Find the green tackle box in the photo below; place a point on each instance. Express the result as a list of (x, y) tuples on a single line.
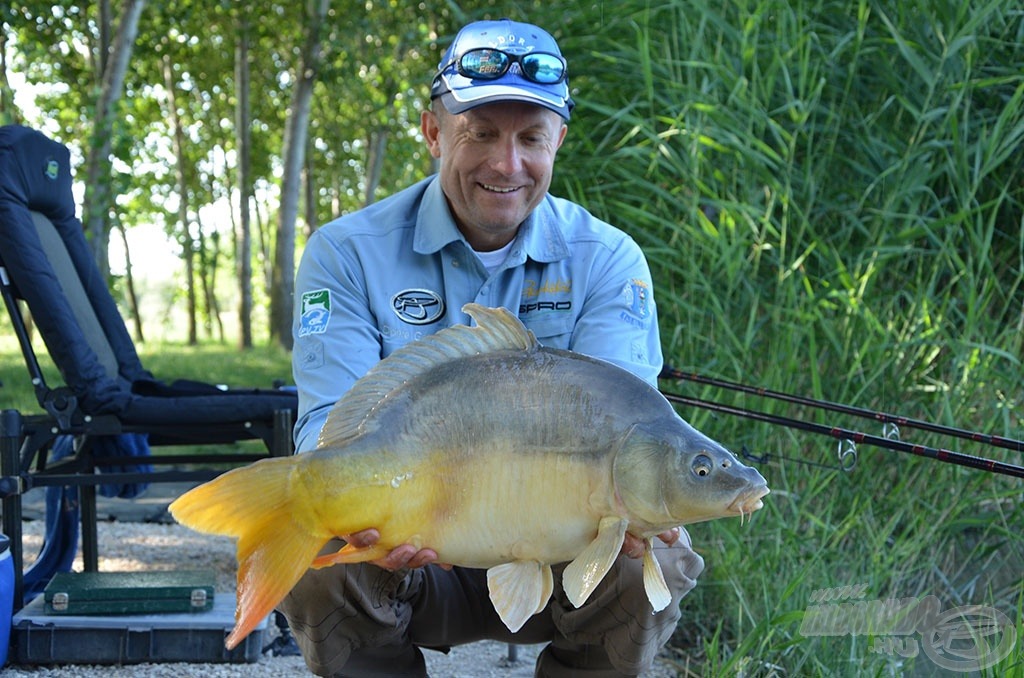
[(195, 637), (116, 593)]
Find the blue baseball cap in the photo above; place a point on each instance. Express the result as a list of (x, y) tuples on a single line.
[(460, 92)]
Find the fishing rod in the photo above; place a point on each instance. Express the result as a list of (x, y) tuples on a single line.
[(897, 420), (938, 454), (842, 434)]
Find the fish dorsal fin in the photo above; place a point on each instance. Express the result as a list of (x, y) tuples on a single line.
[(497, 329)]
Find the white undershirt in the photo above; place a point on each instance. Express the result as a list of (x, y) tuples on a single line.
[(492, 260)]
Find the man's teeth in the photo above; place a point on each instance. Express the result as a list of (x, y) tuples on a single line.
[(499, 189)]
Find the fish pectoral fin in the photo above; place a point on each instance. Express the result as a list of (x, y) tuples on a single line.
[(586, 571), (519, 590), (654, 580), (350, 554)]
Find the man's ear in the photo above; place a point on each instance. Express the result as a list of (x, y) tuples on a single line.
[(430, 125), (561, 135)]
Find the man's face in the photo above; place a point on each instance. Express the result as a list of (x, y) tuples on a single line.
[(496, 164)]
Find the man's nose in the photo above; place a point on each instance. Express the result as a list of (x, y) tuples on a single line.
[(507, 157)]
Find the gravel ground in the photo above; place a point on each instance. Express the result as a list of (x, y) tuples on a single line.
[(126, 546)]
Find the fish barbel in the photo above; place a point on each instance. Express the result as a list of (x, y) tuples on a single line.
[(493, 451)]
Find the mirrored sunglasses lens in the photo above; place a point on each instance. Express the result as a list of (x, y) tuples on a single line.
[(546, 69), (485, 63)]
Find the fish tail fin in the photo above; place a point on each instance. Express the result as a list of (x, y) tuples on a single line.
[(277, 539), (268, 568)]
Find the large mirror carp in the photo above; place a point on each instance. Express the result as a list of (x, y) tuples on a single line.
[(492, 450)]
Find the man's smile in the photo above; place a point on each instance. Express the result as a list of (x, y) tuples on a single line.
[(500, 189)]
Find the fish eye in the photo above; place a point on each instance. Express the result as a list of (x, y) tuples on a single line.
[(701, 466)]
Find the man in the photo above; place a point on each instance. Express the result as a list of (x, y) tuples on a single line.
[(484, 229)]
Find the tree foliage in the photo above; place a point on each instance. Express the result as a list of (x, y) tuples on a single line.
[(878, 128), (830, 193)]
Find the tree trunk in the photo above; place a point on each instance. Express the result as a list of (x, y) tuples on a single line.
[(98, 198), (374, 163), (243, 132), (208, 251), (129, 279), (9, 113), (310, 197), (188, 248), (283, 289), (264, 247)]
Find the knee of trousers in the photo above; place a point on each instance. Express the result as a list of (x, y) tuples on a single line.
[(341, 609), (680, 564), (619, 616)]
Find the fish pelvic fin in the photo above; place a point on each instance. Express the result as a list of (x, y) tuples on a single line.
[(519, 590), (276, 542), (586, 571), (654, 580), (497, 330)]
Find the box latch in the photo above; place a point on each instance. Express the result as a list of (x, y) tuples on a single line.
[(198, 598), (59, 602)]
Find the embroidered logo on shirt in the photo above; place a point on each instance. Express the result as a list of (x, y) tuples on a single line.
[(315, 312), (52, 169), (418, 306), (637, 296)]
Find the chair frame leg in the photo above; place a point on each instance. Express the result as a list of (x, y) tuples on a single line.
[(11, 429)]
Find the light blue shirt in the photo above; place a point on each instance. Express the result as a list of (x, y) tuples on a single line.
[(372, 281)]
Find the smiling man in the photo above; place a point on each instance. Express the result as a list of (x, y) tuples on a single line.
[(496, 164), (485, 230)]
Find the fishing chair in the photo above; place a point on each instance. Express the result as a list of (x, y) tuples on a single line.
[(96, 427)]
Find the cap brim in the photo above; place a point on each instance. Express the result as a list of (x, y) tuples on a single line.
[(461, 99), (455, 106)]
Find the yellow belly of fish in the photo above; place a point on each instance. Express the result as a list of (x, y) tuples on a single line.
[(479, 510)]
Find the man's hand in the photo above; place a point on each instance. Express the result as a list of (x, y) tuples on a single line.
[(404, 555), (633, 547), (407, 555)]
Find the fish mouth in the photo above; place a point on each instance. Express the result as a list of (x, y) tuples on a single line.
[(749, 501)]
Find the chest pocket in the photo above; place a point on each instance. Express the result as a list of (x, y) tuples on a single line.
[(551, 331)]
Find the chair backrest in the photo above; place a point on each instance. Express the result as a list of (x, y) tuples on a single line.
[(72, 288), (49, 265)]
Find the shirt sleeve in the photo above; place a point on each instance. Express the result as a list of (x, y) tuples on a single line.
[(619, 322), (336, 338)]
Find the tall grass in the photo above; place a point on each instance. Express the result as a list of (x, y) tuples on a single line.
[(831, 196)]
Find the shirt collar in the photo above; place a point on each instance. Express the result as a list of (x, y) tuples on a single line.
[(540, 235)]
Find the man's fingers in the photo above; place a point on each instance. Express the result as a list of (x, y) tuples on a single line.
[(670, 536), (406, 556), (632, 546), (422, 557), (363, 538), (397, 559)]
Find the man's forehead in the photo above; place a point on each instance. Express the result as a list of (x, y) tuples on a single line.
[(507, 111)]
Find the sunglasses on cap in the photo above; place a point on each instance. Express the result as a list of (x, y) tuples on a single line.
[(488, 63)]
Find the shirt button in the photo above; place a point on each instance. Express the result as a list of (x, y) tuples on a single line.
[(455, 263)]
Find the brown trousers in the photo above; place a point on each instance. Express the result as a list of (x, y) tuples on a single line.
[(361, 620)]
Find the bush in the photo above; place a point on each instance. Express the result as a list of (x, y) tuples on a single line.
[(831, 196)]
